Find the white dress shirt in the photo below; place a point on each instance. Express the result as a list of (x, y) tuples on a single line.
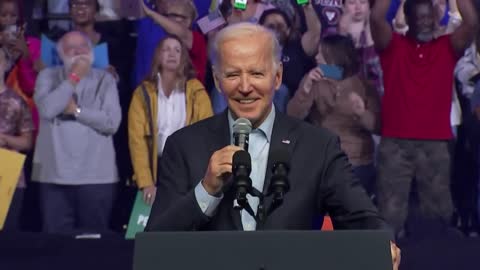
[(171, 115)]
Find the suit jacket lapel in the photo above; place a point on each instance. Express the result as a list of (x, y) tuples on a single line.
[(220, 138), (220, 132)]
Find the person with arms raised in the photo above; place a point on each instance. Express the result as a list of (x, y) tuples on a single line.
[(418, 78), (171, 17)]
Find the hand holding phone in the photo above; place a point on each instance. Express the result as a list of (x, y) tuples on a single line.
[(332, 72), (314, 75)]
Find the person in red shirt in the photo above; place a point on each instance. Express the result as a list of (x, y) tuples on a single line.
[(418, 77)]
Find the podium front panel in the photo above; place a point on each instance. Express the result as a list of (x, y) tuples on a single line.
[(267, 250)]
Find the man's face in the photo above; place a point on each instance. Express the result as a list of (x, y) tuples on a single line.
[(83, 11), (358, 8), (75, 46), (278, 25), (423, 22), (247, 77)]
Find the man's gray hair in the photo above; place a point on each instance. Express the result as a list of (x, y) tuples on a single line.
[(240, 30), (60, 51)]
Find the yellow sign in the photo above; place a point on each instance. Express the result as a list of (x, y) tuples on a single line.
[(11, 165)]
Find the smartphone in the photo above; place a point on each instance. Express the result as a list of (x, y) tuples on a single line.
[(302, 2), (332, 72), (240, 4)]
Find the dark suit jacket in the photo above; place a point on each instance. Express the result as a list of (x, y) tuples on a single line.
[(320, 177)]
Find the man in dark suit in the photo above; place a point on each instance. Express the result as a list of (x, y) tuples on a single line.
[(194, 188)]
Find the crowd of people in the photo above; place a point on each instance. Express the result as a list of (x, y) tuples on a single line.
[(396, 80)]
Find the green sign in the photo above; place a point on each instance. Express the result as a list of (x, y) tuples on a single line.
[(240, 4), (139, 217), (302, 2)]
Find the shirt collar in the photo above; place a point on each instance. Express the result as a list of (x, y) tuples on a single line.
[(265, 128)]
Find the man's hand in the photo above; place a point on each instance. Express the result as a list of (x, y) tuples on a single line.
[(71, 107), (314, 75), (80, 67), (149, 194), (219, 167), (396, 255)]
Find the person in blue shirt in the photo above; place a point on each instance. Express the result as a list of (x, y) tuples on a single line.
[(149, 33)]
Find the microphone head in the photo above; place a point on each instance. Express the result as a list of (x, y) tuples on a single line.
[(242, 126), (242, 158), (280, 156)]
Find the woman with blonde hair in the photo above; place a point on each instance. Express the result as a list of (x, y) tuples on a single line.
[(168, 99)]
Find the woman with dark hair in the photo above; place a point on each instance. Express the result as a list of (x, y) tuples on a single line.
[(168, 99), (349, 107), (296, 51)]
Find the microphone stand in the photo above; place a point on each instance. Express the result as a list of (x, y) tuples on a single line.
[(279, 186), (243, 204)]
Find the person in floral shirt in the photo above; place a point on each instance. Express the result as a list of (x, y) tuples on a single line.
[(16, 129)]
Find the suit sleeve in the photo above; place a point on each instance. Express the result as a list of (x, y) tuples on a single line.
[(175, 207), (343, 196)]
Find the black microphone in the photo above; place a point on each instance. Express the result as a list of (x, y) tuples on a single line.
[(241, 168), (279, 184), (241, 130)]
